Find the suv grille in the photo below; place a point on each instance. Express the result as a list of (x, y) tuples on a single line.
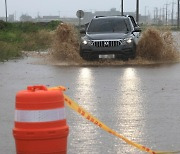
[(106, 43)]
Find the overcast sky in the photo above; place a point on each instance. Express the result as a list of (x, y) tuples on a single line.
[(68, 8)]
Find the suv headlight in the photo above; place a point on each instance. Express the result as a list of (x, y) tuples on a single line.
[(128, 40), (85, 42)]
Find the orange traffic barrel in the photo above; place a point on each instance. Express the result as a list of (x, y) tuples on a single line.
[(40, 123)]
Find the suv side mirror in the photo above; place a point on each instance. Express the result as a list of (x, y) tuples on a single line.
[(137, 29)]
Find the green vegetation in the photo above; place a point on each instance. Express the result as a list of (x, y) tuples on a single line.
[(160, 26), (24, 36)]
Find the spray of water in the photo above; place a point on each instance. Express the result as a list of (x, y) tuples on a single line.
[(157, 45), (65, 46)]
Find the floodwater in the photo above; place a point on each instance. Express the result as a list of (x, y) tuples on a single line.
[(140, 102)]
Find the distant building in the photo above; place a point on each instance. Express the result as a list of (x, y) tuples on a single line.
[(50, 18), (25, 18), (11, 18), (74, 21), (112, 12), (3, 18), (89, 15)]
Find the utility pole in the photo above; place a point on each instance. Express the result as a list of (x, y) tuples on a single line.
[(15, 16), (157, 16), (149, 15), (59, 14), (172, 14), (137, 11), (145, 13), (166, 14), (154, 15), (6, 9), (38, 17), (163, 15), (122, 8), (178, 13), (160, 14)]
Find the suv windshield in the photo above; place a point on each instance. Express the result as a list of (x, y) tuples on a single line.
[(105, 25)]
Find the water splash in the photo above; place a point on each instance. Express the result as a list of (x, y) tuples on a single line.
[(66, 44), (157, 45)]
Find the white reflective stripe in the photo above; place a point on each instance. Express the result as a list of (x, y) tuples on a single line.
[(39, 115)]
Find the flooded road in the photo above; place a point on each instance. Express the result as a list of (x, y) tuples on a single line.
[(140, 102)]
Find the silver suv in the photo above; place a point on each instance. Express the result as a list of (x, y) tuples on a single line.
[(110, 37)]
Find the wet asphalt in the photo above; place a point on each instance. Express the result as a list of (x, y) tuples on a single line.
[(140, 102)]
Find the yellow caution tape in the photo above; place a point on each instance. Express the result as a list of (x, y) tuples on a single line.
[(73, 105), (97, 122), (168, 152)]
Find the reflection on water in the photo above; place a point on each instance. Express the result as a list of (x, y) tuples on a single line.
[(130, 109), (131, 89), (85, 81), (85, 132), (85, 73)]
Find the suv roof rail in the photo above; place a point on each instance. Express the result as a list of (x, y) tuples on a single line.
[(129, 15), (112, 16), (98, 16)]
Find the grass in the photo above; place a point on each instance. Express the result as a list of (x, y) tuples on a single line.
[(8, 51), (24, 36), (170, 27)]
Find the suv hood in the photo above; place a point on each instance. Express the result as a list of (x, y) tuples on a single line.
[(106, 36)]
